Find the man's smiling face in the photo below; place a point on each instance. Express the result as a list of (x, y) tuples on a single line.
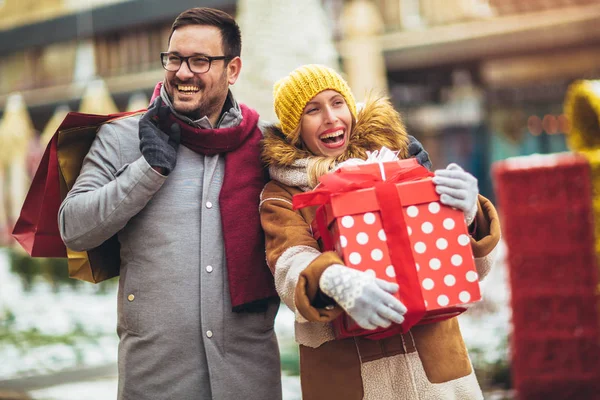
[(198, 95)]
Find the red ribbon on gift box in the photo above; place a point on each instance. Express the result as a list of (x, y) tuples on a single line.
[(383, 178)]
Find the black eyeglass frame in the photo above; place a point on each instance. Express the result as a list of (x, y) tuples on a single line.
[(186, 59)]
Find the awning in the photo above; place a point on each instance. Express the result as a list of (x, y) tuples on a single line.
[(16, 129), (57, 118), (97, 99)]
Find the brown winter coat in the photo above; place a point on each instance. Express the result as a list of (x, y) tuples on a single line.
[(357, 368)]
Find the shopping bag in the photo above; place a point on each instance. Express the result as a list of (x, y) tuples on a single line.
[(36, 230), (37, 227)]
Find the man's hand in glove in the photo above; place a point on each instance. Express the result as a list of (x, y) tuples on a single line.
[(159, 148), (416, 150), (457, 188), (367, 300)]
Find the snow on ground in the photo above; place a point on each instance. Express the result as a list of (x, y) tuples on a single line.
[(484, 327), (100, 389), (103, 389), (56, 314), (60, 313)]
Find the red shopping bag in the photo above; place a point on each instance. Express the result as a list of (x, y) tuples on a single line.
[(37, 227)]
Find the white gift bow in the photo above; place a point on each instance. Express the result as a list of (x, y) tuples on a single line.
[(377, 156), (380, 156)]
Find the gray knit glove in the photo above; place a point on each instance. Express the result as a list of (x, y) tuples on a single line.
[(159, 148), (457, 188), (366, 299), (415, 149)]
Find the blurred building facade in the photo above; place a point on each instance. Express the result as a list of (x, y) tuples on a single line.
[(476, 80), (53, 55), (102, 56), (94, 56)]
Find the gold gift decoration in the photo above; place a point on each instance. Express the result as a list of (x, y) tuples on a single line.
[(582, 108)]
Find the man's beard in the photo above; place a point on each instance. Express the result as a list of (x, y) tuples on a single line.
[(208, 104)]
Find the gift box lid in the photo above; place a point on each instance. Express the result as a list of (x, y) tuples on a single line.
[(365, 200)]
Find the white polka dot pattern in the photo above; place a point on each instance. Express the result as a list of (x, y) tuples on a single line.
[(369, 218), (434, 207), (428, 284), (355, 258), (449, 224), (464, 296), (441, 233), (420, 247), (472, 276), (377, 255), (456, 260), (347, 222), (343, 241), (443, 300), (390, 272), (412, 211), (441, 249), (427, 227), (362, 238)]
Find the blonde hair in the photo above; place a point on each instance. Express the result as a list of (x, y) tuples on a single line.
[(317, 167)]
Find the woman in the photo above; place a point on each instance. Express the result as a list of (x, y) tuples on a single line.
[(320, 128)]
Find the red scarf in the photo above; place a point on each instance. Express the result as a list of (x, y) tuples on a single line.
[(250, 280)]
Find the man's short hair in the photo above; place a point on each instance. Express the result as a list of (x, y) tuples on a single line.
[(230, 31)]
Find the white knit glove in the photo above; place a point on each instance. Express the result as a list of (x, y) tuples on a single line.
[(366, 299), (457, 188)]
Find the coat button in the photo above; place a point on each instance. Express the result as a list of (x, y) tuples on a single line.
[(209, 334), (130, 297), (208, 204), (209, 268)]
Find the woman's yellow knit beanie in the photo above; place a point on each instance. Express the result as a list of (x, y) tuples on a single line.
[(292, 93)]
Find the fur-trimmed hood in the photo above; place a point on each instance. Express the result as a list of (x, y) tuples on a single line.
[(378, 124)]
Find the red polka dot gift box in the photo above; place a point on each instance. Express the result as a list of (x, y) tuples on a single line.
[(425, 247)]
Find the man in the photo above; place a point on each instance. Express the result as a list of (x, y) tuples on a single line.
[(196, 302)]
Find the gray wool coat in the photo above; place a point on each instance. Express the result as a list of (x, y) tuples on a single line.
[(179, 338)]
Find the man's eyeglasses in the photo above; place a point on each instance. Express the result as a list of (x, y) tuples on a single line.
[(197, 64)]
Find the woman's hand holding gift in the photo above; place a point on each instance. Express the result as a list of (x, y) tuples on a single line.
[(368, 300), (457, 188)]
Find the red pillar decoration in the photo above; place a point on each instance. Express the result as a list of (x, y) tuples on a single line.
[(547, 222)]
